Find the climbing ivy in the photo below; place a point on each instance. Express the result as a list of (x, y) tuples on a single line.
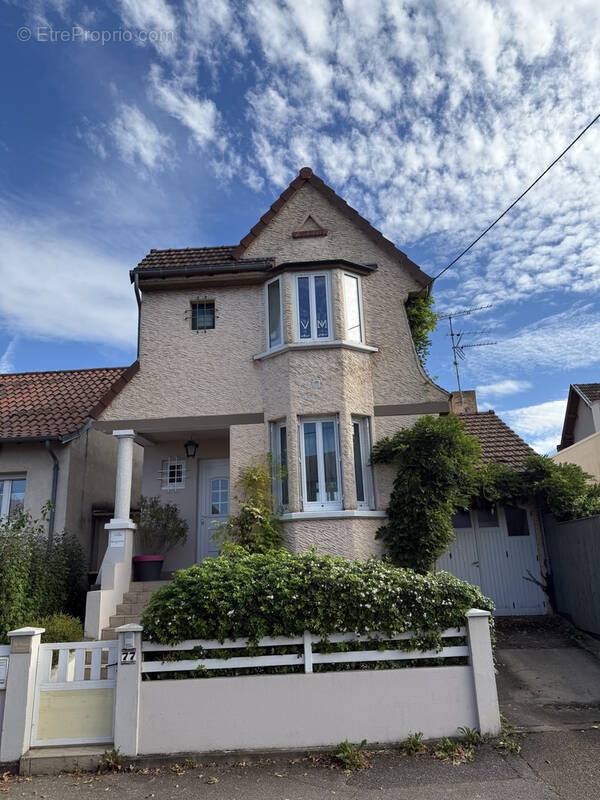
[(422, 321)]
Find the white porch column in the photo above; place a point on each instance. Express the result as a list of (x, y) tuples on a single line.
[(124, 474), (115, 572), (482, 663)]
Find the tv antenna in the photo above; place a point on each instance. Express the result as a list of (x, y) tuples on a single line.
[(458, 347)]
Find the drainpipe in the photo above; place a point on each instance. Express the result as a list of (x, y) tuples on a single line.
[(55, 468), (138, 297)]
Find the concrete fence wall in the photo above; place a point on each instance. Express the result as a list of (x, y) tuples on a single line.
[(574, 555), (54, 694)]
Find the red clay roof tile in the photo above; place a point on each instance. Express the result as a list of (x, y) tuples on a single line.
[(498, 442)]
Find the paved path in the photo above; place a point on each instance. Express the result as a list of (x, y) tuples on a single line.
[(552, 766)]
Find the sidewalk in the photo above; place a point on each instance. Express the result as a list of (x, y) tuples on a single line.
[(551, 765)]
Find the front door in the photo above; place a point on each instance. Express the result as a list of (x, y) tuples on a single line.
[(213, 497)]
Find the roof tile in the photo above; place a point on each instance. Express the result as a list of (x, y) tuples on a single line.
[(499, 443)]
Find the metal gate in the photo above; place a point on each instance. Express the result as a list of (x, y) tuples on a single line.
[(486, 554), (74, 693)]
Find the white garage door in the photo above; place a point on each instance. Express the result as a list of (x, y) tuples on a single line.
[(495, 550)]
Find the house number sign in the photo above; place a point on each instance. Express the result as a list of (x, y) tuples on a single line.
[(3, 672), (128, 655)]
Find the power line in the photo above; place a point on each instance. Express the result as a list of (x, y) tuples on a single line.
[(514, 203)]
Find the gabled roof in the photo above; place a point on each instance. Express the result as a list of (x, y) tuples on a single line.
[(499, 443), (55, 405), (207, 258), (589, 393)]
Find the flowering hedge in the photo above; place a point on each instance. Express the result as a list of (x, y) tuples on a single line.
[(280, 594)]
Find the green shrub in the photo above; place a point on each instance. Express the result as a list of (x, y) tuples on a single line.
[(60, 628), (279, 594), (37, 579), (436, 465), (160, 526), (422, 322), (257, 526), (352, 756)]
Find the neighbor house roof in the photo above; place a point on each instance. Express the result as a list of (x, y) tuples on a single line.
[(56, 405), (589, 393), (205, 258), (498, 442)]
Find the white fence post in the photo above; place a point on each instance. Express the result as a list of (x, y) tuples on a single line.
[(482, 664), (20, 691), (127, 694), (308, 655)]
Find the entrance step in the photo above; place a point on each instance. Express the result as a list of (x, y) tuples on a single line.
[(133, 606), (52, 760)]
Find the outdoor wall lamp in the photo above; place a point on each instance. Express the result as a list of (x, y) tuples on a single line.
[(190, 448)]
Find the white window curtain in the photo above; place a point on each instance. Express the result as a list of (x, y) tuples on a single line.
[(320, 464), (313, 308), (274, 313), (363, 472)]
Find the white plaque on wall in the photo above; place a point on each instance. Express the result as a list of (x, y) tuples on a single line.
[(117, 538)]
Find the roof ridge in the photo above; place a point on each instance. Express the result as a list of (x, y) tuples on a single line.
[(59, 371)]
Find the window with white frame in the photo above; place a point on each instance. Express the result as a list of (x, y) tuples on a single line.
[(313, 308), (320, 464), (12, 495), (353, 308), (274, 313), (363, 473), (173, 473), (279, 454)]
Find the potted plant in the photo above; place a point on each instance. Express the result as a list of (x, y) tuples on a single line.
[(160, 529)]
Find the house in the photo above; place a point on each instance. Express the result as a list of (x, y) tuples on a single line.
[(295, 342), (500, 549), (50, 452), (580, 441)]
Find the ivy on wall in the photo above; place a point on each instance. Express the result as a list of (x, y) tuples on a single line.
[(438, 472), (422, 321)]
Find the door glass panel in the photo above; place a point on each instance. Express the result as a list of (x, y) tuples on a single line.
[(330, 461), (17, 496), (462, 519), (304, 308), (321, 307), (487, 517), (219, 496), (273, 292), (351, 302), (283, 464), (516, 521), (310, 462), (358, 467)]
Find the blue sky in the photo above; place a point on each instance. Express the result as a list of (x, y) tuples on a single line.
[(181, 129)]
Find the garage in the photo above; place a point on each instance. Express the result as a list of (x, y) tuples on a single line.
[(496, 549)]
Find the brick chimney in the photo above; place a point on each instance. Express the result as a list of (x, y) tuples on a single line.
[(464, 402)]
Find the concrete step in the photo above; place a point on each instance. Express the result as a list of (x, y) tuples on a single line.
[(108, 635), (147, 586), (123, 619), (54, 760), (131, 608)]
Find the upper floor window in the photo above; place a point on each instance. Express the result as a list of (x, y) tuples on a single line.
[(203, 315), (320, 464), (313, 308), (274, 313), (353, 308), (12, 496)]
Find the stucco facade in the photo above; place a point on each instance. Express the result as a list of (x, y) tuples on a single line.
[(226, 383)]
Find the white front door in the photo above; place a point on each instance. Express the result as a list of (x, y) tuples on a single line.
[(213, 498)]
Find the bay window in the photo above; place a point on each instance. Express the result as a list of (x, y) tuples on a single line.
[(363, 473), (320, 464), (274, 313), (353, 308), (12, 496), (313, 308), (279, 456)]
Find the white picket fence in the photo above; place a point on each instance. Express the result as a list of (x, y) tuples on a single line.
[(308, 657)]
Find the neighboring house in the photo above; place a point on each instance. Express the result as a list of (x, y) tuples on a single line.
[(498, 548), (48, 451), (580, 442)]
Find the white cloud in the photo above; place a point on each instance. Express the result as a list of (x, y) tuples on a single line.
[(539, 424), (151, 15), (199, 116), (6, 358), (138, 140), (56, 287), (502, 388)]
